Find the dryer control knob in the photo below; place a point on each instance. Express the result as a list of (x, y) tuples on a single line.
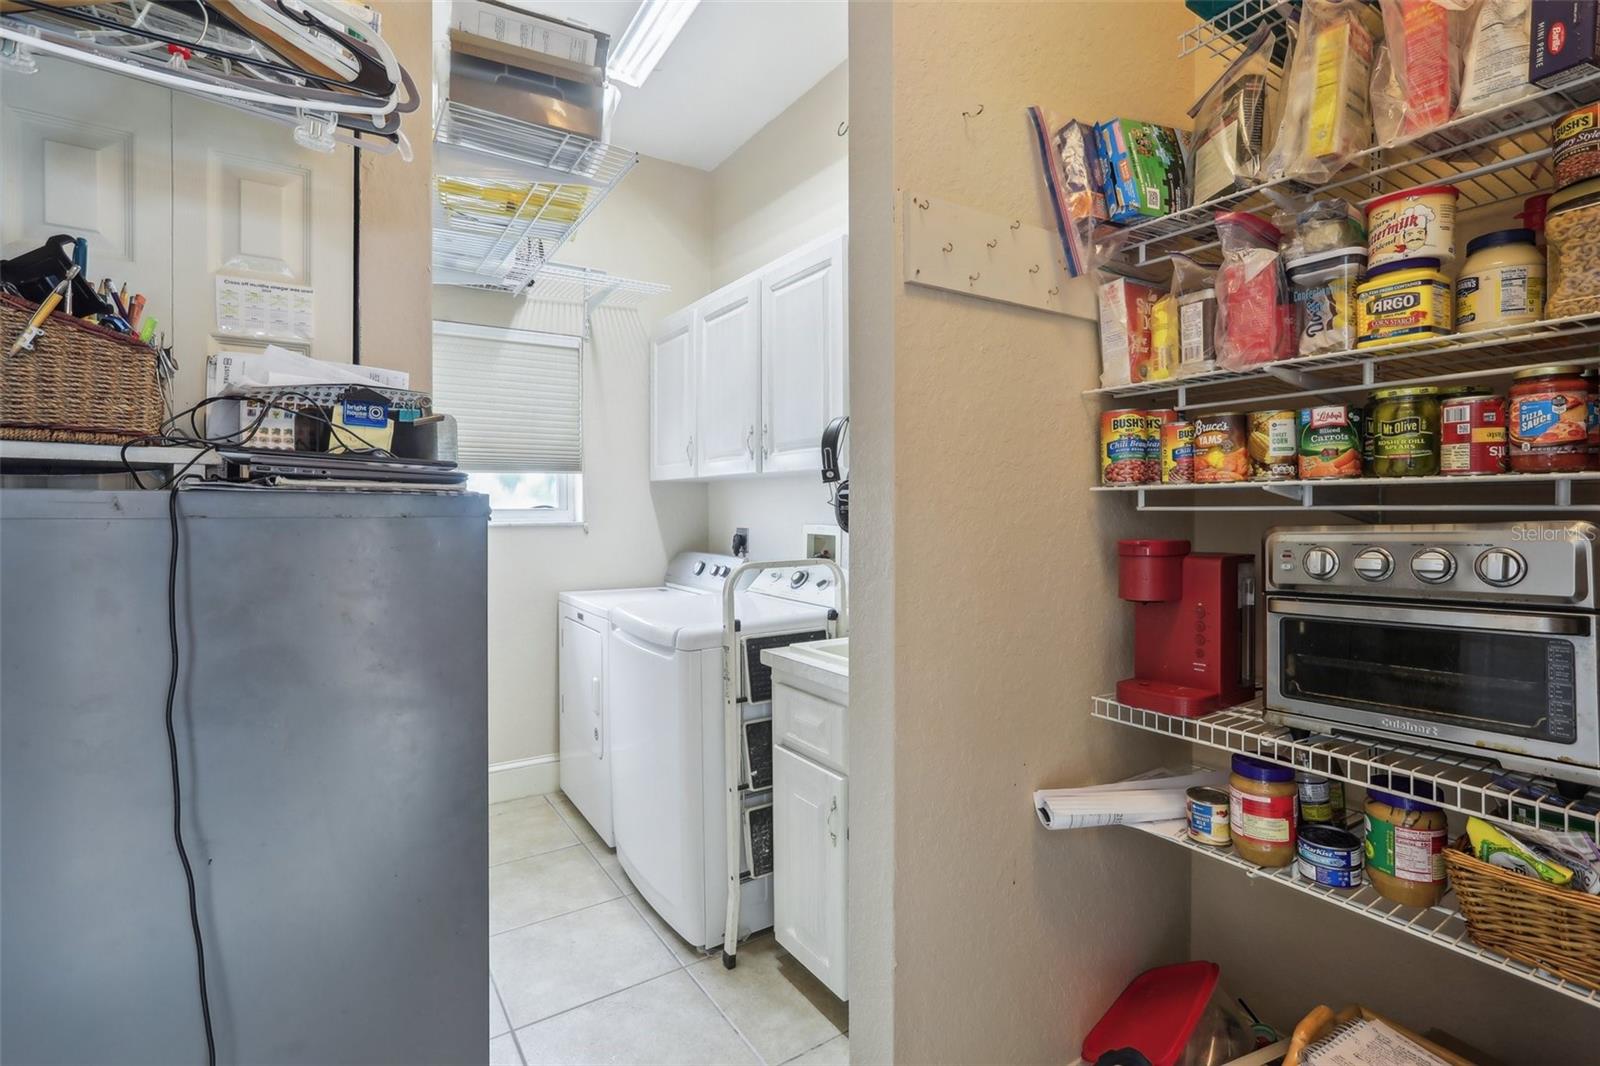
[(1374, 564), (699, 568), (800, 578), (1501, 567), (1321, 563), (1433, 565)]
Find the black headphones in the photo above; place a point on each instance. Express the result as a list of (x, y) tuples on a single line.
[(833, 440)]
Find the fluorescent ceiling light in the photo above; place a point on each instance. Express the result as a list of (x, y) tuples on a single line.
[(654, 27)]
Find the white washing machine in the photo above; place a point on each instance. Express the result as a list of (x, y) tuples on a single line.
[(583, 619), (665, 673)]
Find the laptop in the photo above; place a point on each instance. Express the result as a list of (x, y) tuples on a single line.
[(254, 464)]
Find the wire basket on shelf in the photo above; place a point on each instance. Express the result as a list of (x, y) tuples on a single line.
[(1522, 917), (78, 384)]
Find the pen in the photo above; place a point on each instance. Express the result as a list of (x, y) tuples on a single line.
[(80, 254), (119, 303), (135, 309)]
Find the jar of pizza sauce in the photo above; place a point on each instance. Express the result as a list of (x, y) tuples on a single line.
[(1549, 420)]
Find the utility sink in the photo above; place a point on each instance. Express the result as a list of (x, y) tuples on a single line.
[(821, 667), (833, 654)]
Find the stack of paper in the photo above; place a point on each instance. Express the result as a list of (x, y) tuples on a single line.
[(1157, 796)]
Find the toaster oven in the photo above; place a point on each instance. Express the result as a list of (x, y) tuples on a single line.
[(1478, 639)]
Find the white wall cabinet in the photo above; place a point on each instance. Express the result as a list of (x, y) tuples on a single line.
[(810, 865), (672, 398), (728, 340), (744, 381)]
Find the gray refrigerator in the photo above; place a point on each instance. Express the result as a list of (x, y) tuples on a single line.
[(331, 727)]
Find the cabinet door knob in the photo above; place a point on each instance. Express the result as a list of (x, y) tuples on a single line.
[(749, 442)]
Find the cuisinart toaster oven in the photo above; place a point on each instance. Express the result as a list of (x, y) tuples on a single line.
[(1478, 639)]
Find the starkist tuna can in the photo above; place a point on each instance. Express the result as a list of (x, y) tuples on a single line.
[(1330, 856)]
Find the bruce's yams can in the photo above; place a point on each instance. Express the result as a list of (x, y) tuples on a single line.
[(1220, 455)]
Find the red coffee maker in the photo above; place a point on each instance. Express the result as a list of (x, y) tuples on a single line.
[(1193, 623)]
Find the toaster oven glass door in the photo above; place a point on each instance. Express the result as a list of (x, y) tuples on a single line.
[(1469, 672)]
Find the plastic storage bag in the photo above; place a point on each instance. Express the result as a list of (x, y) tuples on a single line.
[(1255, 304), (1074, 175), (1326, 117), (1227, 148), (1417, 78), (1494, 70), (1194, 288)]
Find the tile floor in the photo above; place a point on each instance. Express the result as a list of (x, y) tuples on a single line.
[(583, 971)]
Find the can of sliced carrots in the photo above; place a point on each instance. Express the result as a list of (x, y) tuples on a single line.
[(1330, 442)]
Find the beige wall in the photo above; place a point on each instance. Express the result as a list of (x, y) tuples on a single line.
[(783, 188), (986, 614), (655, 226), (396, 241)]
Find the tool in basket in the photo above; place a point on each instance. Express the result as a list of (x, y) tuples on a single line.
[(24, 341)]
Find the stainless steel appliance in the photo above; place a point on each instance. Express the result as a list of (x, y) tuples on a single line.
[(1478, 639)]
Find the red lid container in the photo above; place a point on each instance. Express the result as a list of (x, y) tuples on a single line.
[(1156, 1014)]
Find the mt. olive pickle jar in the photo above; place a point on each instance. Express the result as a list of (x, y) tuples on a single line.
[(1405, 432)]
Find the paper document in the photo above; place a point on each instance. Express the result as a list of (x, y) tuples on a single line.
[(275, 309), (1368, 1042), (1149, 797)]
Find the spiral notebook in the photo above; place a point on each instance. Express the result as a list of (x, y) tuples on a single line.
[(1368, 1042)]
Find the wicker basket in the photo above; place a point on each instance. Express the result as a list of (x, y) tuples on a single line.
[(1555, 929), (79, 384)]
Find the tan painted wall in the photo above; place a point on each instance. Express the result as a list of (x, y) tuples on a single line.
[(655, 226), (396, 240), (984, 583)]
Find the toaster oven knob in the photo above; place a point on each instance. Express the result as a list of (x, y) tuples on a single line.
[(1433, 565), (1374, 564), (1321, 563), (1501, 567)]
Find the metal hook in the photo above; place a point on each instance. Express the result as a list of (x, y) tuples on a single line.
[(922, 204), (1034, 269), (1017, 224), (1054, 291), (993, 241), (949, 247), (844, 128), (973, 114), (973, 277)]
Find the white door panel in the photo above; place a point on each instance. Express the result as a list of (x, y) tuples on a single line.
[(811, 865), (248, 202), (585, 770), (728, 337), (802, 354), (672, 401)]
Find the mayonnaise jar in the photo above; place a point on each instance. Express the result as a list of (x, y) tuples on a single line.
[(1501, 282)]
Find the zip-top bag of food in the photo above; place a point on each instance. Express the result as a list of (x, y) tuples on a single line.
[(1255, 304), (1326, 117), (1230, 121), (1417, 77), (1074, 176), (1494, 72)]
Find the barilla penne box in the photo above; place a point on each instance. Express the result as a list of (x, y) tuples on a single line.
[(1143, 167)]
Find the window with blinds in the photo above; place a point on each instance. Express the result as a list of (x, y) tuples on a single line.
[(516, 395)]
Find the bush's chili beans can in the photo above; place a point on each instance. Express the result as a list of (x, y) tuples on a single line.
[(1124, 447), (1472, 433), (1177, 453)]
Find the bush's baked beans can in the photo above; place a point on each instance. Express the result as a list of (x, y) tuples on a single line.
[(1472, 434), (1177, 453), (1155, 420), (1220, 455), (1124, 447)]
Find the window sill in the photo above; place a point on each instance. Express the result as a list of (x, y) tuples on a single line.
[(505, 521)]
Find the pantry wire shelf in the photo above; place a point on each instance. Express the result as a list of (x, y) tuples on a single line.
[(1517, 494), (1442, 924), (1458, 357), (508, 194), (1461, 783), (1223, 35), (1493, 157)]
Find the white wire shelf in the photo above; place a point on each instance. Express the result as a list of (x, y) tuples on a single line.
[(1483, 493), (508, 194), (1461, 783), (1461, 357), (1442, 925), (561, 283), (1223, 34), (1492, 157)]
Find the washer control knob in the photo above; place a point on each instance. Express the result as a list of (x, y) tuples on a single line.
[(1321, 563), (800, 577), (1374, 564), (822, 582), (1501, 567), (699, 568), (1433, 565)]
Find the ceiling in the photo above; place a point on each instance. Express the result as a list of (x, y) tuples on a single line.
[(735, 67)]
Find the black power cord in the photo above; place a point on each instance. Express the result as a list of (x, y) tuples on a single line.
[(177, 787)]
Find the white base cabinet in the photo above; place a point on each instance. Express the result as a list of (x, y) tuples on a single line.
[(744, 381), (811, 849)]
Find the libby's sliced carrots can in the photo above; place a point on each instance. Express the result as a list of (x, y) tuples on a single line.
[(1330, 442)]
